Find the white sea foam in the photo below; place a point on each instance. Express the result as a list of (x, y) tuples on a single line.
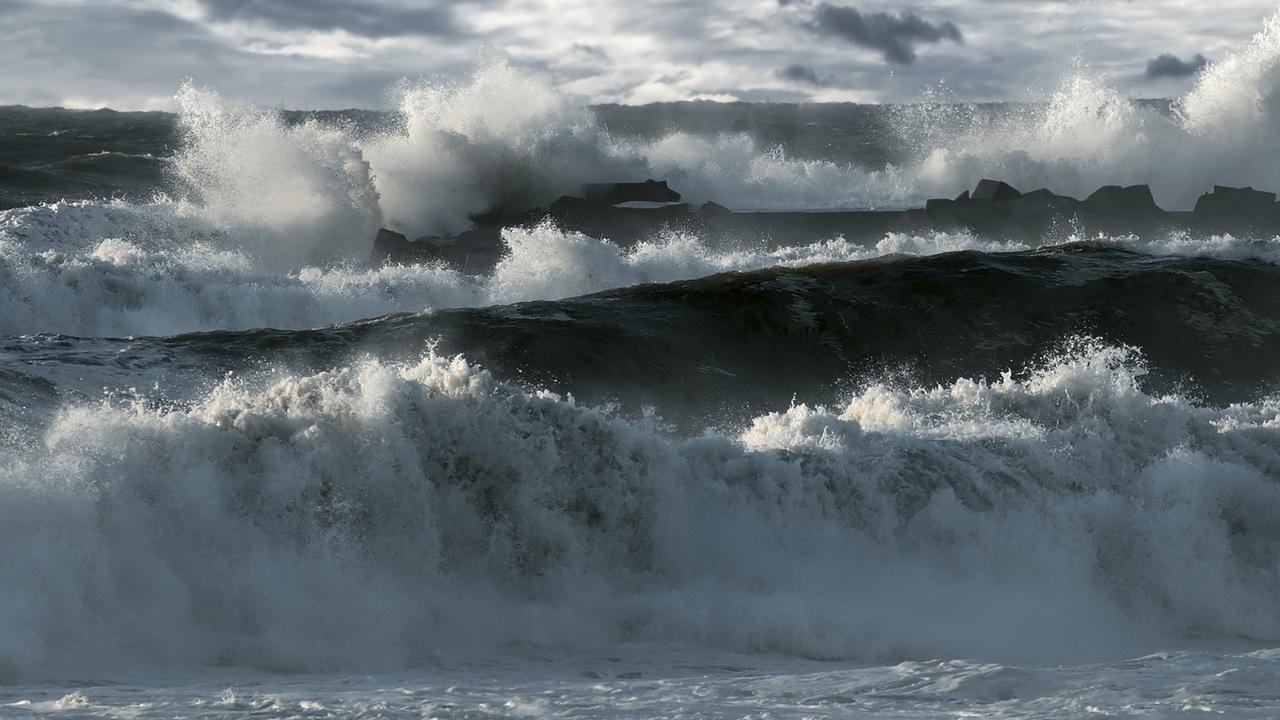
[(374, 516), (671, 683), (112, 269), (115, 269)]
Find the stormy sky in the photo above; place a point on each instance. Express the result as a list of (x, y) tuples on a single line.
[(346, 53)]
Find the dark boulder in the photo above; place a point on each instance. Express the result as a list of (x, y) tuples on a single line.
[(568, 203), (614, 193), (714, 209), (389, 245), (1113, 201), (1043, 199), (1229, 209), (995, 190), (507, 217), (571, 213)]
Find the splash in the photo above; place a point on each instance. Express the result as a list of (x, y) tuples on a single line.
[(289, 195), (116, 269), (376, 515), (506, 141), (1088, 135), (502, 142)]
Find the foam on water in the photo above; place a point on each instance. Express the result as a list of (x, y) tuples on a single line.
[(114, 269), (376, 515), (662, 683)]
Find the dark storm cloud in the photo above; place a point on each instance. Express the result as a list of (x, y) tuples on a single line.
[(800, 74), (895, 36), (1171, 66), (358, 17)]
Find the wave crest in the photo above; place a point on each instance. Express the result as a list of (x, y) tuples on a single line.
[(374, 515)]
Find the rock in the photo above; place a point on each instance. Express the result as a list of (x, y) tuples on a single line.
[(627, 213), (507, 217), (1115, 201), (572, 213), (389, 245), (995, 190), (1040, 205), (714, 209), (614, 193), (1232, 209), (1045, 198)]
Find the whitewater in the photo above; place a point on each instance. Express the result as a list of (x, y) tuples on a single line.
[(245, 471)]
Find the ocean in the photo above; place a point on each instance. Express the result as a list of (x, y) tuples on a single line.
[(247, 473)]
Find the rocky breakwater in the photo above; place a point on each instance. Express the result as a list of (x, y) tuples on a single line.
[(626, 213)]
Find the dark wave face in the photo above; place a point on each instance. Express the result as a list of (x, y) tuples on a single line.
[(727, 347)]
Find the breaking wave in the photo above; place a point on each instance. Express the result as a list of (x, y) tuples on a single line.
[(114, 269), (377, 515), (1089, 135)]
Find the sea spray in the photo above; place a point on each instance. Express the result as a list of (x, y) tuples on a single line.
[(115, 269), (290, 195), (1088, 135), (504, 141), (89, 268), (376, 515)]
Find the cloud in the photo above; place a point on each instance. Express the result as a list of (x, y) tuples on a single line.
[(327, 54), (1171, 66), (357, 17), (131, 56), (592, 51), (800, 74), (895, 36)]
